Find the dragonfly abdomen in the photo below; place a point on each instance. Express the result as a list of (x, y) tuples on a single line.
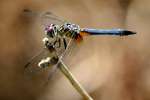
[(120, 32)]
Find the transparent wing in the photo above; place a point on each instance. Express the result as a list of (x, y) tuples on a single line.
[(50, 18), (45, 18), (33, 70), (31, 67)]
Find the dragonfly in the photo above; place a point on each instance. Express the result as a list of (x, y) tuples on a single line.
[(60, 35)]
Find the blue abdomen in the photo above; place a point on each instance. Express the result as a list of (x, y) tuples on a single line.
[(120, 32)]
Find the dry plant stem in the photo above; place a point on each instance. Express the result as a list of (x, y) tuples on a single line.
[(63, 68)]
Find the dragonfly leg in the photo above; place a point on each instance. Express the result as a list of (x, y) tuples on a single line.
[(57, 43), (65, 43)]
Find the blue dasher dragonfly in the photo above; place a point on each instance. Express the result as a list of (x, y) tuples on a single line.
[(60, 35)]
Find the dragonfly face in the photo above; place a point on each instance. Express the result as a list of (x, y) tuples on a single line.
[(50, 30)]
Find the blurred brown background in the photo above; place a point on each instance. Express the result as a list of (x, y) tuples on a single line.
[(110, 68)]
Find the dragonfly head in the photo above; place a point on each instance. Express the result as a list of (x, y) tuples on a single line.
[(51, 30)]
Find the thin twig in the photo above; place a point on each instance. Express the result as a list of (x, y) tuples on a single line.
[(63, 68)]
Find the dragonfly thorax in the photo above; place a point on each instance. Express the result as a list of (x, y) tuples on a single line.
[(70, 30)]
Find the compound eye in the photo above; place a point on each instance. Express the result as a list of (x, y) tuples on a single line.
[(49, 30)]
